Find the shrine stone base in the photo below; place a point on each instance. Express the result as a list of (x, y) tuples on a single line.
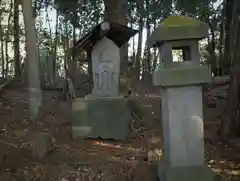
[(104, 117), (186, 173)]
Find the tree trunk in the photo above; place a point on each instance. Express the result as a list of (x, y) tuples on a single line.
[(147, 60), (147, 57), (116, 11), (35, 97), (230, 125), (71, 61), (137, 68), (6, 56), (155, 54), (16, 39), (131, 8), (7, 40), (228, 19), (55, 50), (50, 56), (220, 57), (2, 51)]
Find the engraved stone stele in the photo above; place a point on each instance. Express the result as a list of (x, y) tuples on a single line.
[(106, 68), (104, 113), (182, 110)]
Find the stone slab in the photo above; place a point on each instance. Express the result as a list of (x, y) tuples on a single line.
[(182, 122), (41, 144), (105, 117), (182, 76), (193, 173)]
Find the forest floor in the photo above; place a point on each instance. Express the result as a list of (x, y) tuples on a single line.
[(97, 159)]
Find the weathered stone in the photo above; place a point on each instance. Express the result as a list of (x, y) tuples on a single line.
[(182, 107), (104, 113), (178, 28), (41, 144), (105, 117), (182, 75), (106, 68), (183, 125)]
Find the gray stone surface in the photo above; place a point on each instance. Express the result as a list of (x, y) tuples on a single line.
[(105, 117), (182, 76), (178, 28), (166, 56), (188, 173), (182, 121), (41, 144), (106, 68)]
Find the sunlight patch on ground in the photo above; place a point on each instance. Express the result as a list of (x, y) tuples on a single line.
[(227, 171), (232, 172), (109, 145), (218, 167), (155, 155)]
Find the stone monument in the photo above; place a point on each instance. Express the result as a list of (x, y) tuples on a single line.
[(106, 68), (104, 113), (181, 92)]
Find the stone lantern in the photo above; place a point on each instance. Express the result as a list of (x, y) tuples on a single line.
[(181, 91)]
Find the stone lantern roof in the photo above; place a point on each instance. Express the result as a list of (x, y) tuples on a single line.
[(178, 28)]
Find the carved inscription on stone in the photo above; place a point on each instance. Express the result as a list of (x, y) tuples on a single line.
[(106, 67), (105, 75)]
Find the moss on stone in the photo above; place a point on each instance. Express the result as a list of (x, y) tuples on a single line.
[(178, 28), (179, 21)]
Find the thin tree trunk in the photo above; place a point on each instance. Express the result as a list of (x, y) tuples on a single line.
[(131, 24), (7, 39), (146, 75), (1, 39), (155, 58), (148, 54), (49, 59), (228, 18), (230, 124), (2, 51), (16, 39), (220, 57), (139, 50), (72, 63), (66, 47), (133, 50), (66, 59), (55, 49), (6, 57), (35, 97)]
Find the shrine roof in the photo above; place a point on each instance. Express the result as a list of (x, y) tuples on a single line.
[(118, 33), (178, 28)]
